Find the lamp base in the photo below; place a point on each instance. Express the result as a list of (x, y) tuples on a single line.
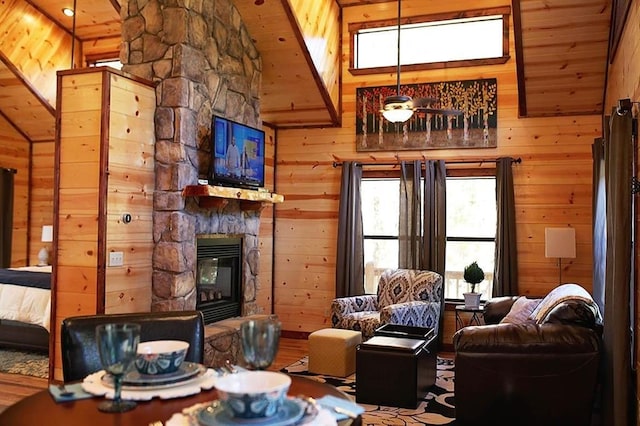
[(43, 257)]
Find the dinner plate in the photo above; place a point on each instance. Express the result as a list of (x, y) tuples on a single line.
[(216, 415), (135, 380)]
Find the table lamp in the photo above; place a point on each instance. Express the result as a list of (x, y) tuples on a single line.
[(47, 237), (560, 243)]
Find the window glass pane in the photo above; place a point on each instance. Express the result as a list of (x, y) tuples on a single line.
[(461, 254), (378, 256), (438, 41), (471, 207), (380, 200)]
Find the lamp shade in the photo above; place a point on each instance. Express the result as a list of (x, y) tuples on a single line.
[(560, 242), (47, 233), (397, 115)]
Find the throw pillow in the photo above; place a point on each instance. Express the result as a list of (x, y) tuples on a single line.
[(558, 295), (520, 311)]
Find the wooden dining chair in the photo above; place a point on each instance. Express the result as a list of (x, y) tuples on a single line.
[(80, 356)]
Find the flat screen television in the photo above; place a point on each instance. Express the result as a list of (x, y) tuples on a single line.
[(237, 154)]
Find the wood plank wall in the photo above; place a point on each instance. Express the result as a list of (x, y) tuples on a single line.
[(624, 82), (265, 234), (105, 150), (552, 185), (35, 44), (319, 22), (41, 195), (14, 154)]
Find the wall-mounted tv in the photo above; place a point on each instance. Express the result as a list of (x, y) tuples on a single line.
[(237, 154)]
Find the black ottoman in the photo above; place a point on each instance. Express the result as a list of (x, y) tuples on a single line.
[(393, 371)]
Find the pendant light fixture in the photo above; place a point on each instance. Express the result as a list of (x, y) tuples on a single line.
[(398, 108)]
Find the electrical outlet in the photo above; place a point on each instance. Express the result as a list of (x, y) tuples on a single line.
[(116, 258)]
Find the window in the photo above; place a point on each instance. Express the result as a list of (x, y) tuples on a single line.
[(456, 39), (380, 211), (471, 226), (471, 233)]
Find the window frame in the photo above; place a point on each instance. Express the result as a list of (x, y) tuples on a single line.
[(355, 27), (453, 170)]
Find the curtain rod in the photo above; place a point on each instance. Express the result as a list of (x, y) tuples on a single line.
[(10, 170), (513, 160)]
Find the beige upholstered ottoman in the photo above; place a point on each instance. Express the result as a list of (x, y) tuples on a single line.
[(332, 351)]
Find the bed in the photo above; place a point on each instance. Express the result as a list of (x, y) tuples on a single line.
[(25, 307)]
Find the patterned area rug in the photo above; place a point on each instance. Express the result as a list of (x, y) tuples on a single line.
[(437, 407), (25, 363)]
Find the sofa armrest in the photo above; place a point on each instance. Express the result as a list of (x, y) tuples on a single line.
[(497, 308), (526, 339)]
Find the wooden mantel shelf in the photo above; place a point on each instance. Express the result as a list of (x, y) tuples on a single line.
[(218, 196)]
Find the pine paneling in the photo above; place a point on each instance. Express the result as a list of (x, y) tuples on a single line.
[(14, 154), (106, 170), (552, 184), (41, 194)]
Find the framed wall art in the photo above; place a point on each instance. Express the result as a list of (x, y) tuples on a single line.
[(475, 126)]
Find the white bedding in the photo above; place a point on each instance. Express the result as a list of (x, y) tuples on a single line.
[(26, 304)]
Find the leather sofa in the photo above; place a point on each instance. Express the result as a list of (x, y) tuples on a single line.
[(540, 371)]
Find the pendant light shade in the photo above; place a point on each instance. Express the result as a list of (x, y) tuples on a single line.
[(397, 109)]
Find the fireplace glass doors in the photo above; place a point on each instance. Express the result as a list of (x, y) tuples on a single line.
[(218, 278)]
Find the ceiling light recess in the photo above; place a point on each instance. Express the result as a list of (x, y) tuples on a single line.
[(67, 11)]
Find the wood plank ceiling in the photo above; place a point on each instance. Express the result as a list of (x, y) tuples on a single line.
[(561, 51)]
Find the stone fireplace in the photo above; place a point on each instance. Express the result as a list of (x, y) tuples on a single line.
[(204, 62)]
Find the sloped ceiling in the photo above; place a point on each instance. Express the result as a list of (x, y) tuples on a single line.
[(561, 56)]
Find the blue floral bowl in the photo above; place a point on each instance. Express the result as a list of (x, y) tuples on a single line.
[(253, 394), (160, 356)]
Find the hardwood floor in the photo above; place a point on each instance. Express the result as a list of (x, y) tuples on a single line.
[(14, 387)]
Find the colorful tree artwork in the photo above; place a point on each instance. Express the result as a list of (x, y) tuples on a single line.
[(476, 127)]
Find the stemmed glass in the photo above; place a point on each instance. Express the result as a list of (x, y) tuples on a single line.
[(260, 340), (117, 344)]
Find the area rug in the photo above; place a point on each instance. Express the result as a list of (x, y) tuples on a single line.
[(436, 408), (25, 363)]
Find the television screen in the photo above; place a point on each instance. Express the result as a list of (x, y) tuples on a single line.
[(237, 154)]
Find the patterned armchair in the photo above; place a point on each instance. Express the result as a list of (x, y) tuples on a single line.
[(405, 296)]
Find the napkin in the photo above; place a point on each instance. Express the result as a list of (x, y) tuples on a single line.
[(76, 388), (330, 401)]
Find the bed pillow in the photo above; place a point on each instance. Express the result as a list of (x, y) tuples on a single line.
[(558, 295), (521, 311)]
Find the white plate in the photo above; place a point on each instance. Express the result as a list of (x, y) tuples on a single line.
[(93, 385)]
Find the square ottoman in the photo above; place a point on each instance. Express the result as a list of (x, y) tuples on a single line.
[(332, 351), (393, 371)]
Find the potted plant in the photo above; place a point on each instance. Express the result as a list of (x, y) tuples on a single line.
[(474, 275)]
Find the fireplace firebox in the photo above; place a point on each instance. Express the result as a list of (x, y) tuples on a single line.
[(219, 278)]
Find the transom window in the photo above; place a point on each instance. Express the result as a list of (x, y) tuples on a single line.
[(471, 225), (431, 41)]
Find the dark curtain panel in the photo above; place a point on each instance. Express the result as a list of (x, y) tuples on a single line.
[(350, 256), (6, 216), (599, 223), (422, 223), (423, 232), (617, 387), (435, 216), (410, 241), (505, 278)]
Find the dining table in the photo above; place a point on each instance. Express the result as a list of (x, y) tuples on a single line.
[(41, 408)]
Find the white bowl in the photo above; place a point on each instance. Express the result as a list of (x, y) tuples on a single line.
[(160, 356), (253, 394)]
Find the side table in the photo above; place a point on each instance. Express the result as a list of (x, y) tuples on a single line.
[(475, 316)]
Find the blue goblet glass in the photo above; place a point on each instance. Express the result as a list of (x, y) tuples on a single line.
[(260, 340), (117, 344)]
